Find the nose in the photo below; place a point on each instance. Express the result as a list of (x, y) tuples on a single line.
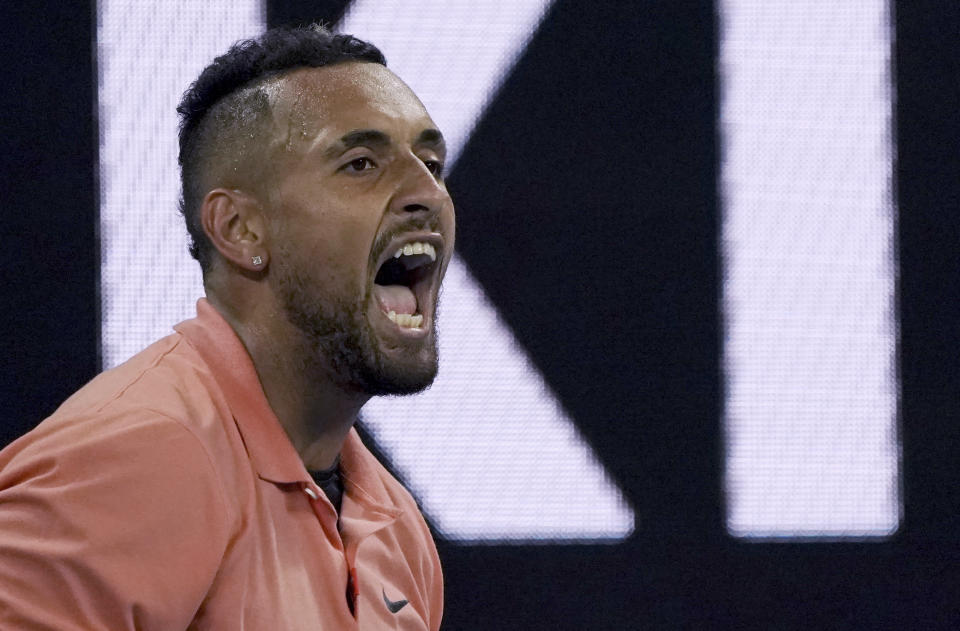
[(420, 191)]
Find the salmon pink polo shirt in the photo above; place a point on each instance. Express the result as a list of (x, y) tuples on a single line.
[(165, 495)]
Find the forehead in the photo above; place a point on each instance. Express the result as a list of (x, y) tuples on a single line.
[(310, 104)]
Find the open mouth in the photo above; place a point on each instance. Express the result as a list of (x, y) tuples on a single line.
[(404, 283)]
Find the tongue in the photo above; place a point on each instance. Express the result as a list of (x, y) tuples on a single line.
[(395, 298)]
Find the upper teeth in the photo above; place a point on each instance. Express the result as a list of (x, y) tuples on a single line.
[(417, 248)]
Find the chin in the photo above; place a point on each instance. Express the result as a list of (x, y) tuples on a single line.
[(398, 377), (350, 350)]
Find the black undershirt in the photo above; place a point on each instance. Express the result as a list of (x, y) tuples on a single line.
[(332, 484)]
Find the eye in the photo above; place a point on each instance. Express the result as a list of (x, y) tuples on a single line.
[(359, 164), (435, 167)]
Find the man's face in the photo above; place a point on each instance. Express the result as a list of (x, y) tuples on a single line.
[(356, 168)]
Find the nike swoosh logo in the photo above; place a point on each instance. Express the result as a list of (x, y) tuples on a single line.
[(393, 605)]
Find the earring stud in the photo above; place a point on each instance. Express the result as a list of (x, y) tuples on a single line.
[(257, 260)]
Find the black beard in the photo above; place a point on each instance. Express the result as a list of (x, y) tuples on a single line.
[(342, 343)]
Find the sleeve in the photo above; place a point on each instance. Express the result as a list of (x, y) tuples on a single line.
[(120, 528)]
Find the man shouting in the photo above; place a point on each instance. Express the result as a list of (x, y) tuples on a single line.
[(215, 481)]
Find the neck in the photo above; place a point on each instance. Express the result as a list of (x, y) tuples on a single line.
[(315, 412)]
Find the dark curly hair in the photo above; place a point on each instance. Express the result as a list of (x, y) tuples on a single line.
[(225, 109)]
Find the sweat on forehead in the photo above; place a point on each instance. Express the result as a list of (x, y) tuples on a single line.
[(309, 101)]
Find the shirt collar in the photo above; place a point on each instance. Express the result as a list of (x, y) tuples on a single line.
[(271, 452)]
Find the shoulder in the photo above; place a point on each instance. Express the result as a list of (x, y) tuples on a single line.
[(150, 425), (111, 458), (110, 512), (168, 376), (159, 398)]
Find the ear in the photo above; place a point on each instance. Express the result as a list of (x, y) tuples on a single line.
[(235, 225)]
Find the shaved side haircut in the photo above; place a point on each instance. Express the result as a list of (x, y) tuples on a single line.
[(225, 113)]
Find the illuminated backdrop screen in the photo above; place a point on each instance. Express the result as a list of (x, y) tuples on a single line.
[(809, 268), (808, 264)]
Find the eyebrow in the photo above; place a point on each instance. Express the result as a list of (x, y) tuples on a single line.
[(431, 137), (359, 138), (375, 138)]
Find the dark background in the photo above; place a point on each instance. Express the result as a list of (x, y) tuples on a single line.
[(602, 143)]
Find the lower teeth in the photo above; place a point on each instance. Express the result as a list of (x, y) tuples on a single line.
[(406, 320)]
